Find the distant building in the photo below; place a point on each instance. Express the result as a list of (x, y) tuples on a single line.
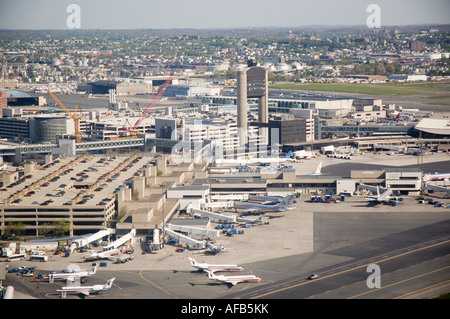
[(3, 101), (120, 87), (289, 131), (434, 128), (407, 77), (185, 91), (417, 46), (21, 98)]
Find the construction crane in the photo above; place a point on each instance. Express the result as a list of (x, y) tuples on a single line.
[(73, 116), (158, 95)]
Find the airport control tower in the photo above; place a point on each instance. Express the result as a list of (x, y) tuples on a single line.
[(252, 82)]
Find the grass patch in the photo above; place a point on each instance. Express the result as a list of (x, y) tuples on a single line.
[(439, 97), (393, 89), (443, 296)]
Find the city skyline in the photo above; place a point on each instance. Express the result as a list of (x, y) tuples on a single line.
[(203, 14)]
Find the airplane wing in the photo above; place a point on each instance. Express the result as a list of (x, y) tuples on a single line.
[(83, 291), (269, 202), (251, 211), (386, 195)]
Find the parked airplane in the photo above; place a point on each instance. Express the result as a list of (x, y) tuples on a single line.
[(233, 280), (318, 170), (104, 254), (241, 219), (255, 208), (384, 197), (287, 157), (70, 276), (255, 160), (389, 119), (271, 199), (415, 150), (85, 290), (428, 177), (213, 268)]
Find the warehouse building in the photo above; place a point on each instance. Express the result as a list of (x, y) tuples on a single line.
[(121, 87)]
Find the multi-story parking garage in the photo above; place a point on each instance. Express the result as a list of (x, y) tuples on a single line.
[(78, 190)]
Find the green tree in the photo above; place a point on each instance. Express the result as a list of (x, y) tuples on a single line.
[(13, 230)]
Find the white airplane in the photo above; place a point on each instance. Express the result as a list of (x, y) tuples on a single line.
[(104, 254), (415, 150), (255, 208), (85, 290), (255, 160), (318, 170), (384, 197), (214, 268), (241, 219), (428, 177), (233, 280), (271, 199), (71, 275), (285, 158)]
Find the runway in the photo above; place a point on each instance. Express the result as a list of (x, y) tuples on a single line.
[(405, 266)]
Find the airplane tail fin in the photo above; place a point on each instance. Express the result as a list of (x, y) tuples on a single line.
[(288, 155), (93, 271), (319, 169), (210, 274), (109, 283), (193, 262)]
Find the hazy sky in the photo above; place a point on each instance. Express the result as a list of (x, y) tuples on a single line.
[(163, 14)]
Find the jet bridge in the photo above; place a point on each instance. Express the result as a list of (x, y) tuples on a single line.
[(122, 240), (216, 216), (87, 239), (195, 230), (193, 243)]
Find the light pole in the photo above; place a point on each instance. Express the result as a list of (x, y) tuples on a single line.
[(163, 208)]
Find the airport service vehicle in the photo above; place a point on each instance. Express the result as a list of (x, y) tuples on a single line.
[(124, 258), (16, 257), (38, 258), (233, 280), (104, 254), (85, 290), (213, 268), (313, 276)]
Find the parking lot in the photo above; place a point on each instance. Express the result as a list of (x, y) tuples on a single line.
[(57, 184)]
